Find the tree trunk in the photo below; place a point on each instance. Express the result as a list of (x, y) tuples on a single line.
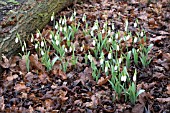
[(33, 15)]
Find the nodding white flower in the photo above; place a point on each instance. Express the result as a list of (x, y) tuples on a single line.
[(106, 69), (115, 68), (36, 46), (116, 36), (135, 39), (37, 35), (70, 49), (65, 29), (65, 49), (56, 25), (74, 13), (123, 78), (63, 22), (127, 37), (105, 25), (60, 20), (23, 48), (51, 36), (57, 42), (120, 60), (109, 55), (71, 18), (113, 27), (82, 47), (126, 25), (94, 27), (92, 33), (94, 42), (42, 52), (117, 47), (101, 61), (52, 17), (109, 31), (42, 43), (32, 38), (84, 18), (61, 28), (134, 76), (110, 40), (103, 31), (90, 57), (141, 34), (135, 24), (16, 40)]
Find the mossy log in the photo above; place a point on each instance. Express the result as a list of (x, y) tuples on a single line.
[(32, 15)]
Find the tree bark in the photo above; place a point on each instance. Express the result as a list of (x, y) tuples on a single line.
[(33, 15)]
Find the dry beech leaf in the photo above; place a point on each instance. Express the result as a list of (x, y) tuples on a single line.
[(5, 62), (22, 64), (35, 63), (20, 86), (159, 75), (62, 74), (103, 80), (12, 77), (162, 100), (63, 95), (138, 108), (168, 88)]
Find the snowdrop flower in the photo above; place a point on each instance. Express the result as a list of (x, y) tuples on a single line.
[(56, 25), (71, 18), (116, 36), (113, 27), (82, 47), (63, 21), (92, 33), (127, 37), (141, 34), (110, 40), (52, 17), (74, 13), (36, 46), (135, 39), (115, 68), (57, 42), (109, 31), (126, 25), (94, 42), (120, 60), (103, 31), (65, 29), (101, 61), (135, 24), (22, 48), (106, 69), (42, 52), (66, 50), (70, 49), (105, 25), (117, 47), (37, 35), (51, 36), (94, 27), (123, 78), (60, 20), (134, 76), (109, 55), (16, 40), (61, 28), (32, 38), (42, 43), (90, 57), (84, 18)]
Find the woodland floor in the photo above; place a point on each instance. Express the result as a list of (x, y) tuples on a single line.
[(48, 92)]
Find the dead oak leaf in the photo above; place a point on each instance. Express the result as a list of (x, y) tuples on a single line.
[(103, 80), (20, 86)]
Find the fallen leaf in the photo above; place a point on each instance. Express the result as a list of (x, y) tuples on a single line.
[(5, 62), (159, 75), (168, 88), (138, 108), (162, 100), (103, 80), (20, 86), (62, 74)]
